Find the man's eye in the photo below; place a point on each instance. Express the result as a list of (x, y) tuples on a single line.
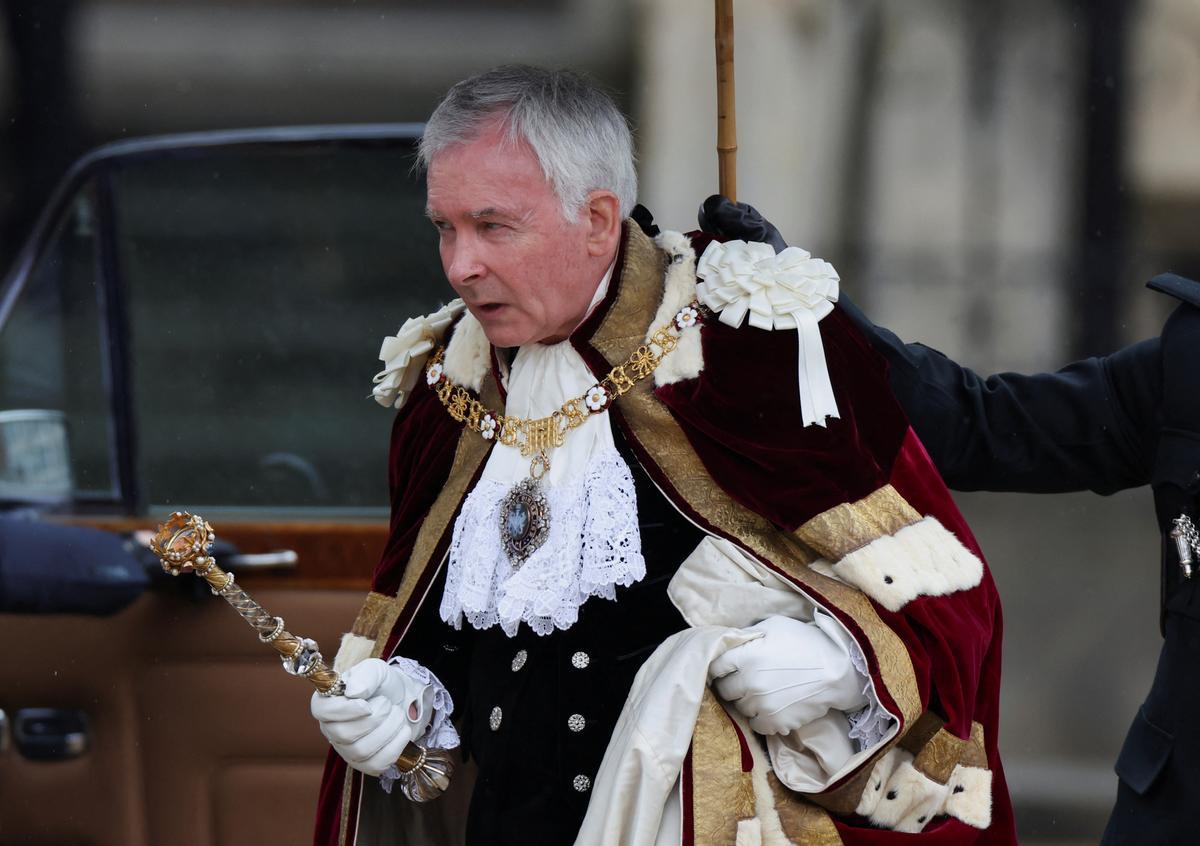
[(441, 225), (492, 226)]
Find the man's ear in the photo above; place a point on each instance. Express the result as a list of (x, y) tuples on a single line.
[(602, 213)]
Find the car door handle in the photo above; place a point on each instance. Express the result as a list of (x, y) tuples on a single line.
[(228, 555), (283, 559), (50, 734)]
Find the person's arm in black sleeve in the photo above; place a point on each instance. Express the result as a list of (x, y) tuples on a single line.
[(1091, 425), (1177, 463)]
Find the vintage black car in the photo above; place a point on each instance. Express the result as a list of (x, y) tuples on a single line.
[(193, 324)]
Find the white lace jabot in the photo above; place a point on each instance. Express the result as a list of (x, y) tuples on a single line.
[(593, 544)]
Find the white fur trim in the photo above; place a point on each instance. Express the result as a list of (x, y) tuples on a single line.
[(908, 799), (468, 355), (880, 775), (923, 559), (354, 649), (679, 289), (749, 833), (973, 803), (901, 798)]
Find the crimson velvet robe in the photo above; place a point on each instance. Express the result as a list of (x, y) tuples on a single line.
[(826, 508)]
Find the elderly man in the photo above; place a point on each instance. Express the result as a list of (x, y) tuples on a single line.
[(613, 483)]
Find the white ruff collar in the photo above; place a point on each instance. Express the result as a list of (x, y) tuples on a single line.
[(593, 543)]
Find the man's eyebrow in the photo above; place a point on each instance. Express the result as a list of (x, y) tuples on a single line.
[(479, 214), (492, 211)]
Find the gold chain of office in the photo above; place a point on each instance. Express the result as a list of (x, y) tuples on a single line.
[(538, 437)]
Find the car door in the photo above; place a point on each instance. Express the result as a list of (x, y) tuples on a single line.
[(194, 327)]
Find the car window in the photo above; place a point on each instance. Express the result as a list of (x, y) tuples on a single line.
[(54, 408), (260, 282)]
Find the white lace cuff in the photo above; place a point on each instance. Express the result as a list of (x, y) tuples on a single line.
[(869, 724), (440, 733)]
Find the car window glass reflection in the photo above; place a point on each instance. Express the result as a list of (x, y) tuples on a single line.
[(260, 284), (54, 411)]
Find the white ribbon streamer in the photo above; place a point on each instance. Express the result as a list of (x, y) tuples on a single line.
[(816, 391), (788, 290)]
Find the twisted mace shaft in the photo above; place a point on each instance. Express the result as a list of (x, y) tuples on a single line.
[(182, 545)]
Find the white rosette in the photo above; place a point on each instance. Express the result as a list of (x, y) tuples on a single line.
[(789, 290), (404, 354)]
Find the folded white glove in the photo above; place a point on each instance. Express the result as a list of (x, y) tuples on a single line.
[(795, 673), (382, 710)]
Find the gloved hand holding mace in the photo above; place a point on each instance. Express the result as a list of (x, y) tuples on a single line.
[(183, 543)]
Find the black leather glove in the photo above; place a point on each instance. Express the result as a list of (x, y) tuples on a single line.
[(722, 218)]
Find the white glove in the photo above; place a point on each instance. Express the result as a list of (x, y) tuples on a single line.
[(790, 676), (382, 710)]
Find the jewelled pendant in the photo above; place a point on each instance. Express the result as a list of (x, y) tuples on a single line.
[(524, 520)]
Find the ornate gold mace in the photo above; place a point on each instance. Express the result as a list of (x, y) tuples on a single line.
[(183, 543)]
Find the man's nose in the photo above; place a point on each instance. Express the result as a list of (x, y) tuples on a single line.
[(464, 264)]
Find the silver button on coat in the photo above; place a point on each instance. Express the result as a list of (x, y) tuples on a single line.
[(576, 722), (496, 716), (580, 660), (582, 784), (519, 660)]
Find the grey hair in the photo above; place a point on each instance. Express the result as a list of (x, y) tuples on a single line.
[(580, 138)]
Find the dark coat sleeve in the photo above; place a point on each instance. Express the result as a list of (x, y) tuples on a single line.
[(1176, 477), (1092, 425)]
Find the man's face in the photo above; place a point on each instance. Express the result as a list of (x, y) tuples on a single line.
[(524, 271)]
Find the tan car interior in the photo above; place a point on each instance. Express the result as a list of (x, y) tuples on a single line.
[(196, 736)]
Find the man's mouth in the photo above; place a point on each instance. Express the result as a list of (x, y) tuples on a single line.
[(489, 308)]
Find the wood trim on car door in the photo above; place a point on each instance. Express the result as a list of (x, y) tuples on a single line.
[(333, 555)]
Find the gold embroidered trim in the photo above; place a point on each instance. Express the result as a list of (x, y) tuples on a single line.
[(657, 431), (921, 732), (344, 822), (371, 615), (722, 795), (468, 458), (802, 821), (938, 758), (975, 753), (845, 799), (836, 533), (380, 615), (937, 752)]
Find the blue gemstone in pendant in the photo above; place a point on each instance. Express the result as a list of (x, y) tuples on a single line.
[(524, 520), (516, 521)]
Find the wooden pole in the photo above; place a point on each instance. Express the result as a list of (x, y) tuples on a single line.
[(726, 108)]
